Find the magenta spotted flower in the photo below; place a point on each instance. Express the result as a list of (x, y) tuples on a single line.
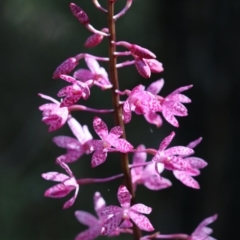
[(75, 147), (147, 175), (53, 115), (202, 232), (67, 184), (196, 163), (171, 105), (122, 216), (95, 224), (141, 102), (179, 160), (108, 139), (96, 73), (171, 157), (74, 92)]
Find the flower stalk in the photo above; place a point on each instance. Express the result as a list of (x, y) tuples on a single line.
[(118, 115)]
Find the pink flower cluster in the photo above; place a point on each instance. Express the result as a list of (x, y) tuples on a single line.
[(114, 220)]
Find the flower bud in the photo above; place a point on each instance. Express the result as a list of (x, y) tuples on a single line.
[(155, 65), (142, 68), (66, 67), (95, 39), (141, 52), (79, 14)]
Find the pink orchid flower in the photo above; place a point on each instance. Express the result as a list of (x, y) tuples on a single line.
[(172, 104), (123, 215), (196, 163), (96, 73), (74, 92), (53, 115), (108, 139), (171, 157), (75, 147), (95, 224), (141, 102), (202, 232), (67, 184), (147, 175)]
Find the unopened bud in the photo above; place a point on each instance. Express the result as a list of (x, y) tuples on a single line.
[(79, 14), (142, 68), (95, 39), (137, 50), (66, 67), (141, 52), (155, 65)]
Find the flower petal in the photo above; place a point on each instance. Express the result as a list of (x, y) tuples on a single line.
[(122, 145), (169, 117), (99, 203), (141, 221), (138, 158), (200, 228), (116, 132), (166, 141), (156, 182), (92, 64), (196, 162), (86, 218), (176, 108), (153, 118), (110, 210), (155, 87), (186, 179), (141, 208), (90, 234), (65, 167), (111, 223), (71, 201), (124, 197), (58, 191), (100, 127), (83, 75), (194, 143), (55, 176), (98, 158), (179, 150), (127, 113), (67, 142)]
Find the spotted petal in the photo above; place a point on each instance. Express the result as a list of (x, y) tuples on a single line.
[(124, 197), (141, 221), (186, 179), (100, 127)]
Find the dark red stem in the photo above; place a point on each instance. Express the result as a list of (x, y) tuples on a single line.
[(113, 75)]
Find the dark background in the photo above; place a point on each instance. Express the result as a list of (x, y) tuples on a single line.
[(198, 43)]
